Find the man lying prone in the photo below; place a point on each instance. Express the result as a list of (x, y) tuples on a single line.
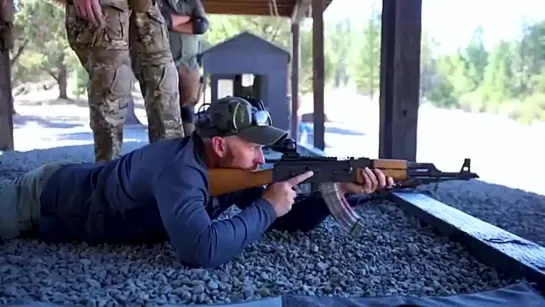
[(160, 192)]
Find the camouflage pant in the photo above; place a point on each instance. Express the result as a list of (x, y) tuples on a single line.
[(104, 52)]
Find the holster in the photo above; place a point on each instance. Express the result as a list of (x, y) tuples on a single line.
[(141, 6)]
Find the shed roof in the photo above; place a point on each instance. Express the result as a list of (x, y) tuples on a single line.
[(242, 39), (251, 7)]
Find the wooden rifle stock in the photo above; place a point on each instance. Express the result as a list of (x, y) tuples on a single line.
[(227, 180)]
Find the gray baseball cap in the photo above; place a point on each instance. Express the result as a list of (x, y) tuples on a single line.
[(238, 116)]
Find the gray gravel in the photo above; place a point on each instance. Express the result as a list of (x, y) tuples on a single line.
[(517, 211), (396, 255)]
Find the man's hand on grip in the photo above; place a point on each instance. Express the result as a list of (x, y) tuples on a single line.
[(373, 180), (281, 194)]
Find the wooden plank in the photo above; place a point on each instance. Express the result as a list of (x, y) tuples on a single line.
[(318, 75), (295, 65), (245, 10), (286, 8), (494, 246), (400, 78)]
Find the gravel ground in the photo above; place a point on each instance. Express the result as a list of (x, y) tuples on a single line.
[(396, 255), (519, 212)]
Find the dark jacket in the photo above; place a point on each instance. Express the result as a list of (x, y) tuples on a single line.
[(156, 192)]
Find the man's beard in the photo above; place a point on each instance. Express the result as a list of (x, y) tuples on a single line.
[(228, 161)]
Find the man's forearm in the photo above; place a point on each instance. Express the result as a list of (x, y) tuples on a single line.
[(181, 23), (220, 241), (186, 27)]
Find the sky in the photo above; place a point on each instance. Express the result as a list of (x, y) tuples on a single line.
[(452, 22)]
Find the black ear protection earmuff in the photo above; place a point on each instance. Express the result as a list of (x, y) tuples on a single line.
[(256, 103)]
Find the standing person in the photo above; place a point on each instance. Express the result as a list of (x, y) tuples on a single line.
[(186, 21), (101, 34)]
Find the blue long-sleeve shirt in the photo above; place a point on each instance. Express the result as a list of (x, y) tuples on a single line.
[(156, 192)]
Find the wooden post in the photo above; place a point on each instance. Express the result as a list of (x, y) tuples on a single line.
[(6, 98), (295, 65), (400, 78), (318, 74)]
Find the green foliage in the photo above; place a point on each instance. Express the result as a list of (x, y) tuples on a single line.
[(39, 29), (79, 81), (510, 79), (365, 56)]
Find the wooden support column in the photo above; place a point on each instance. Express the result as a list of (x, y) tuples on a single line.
[(300, 11), (318, 75), (400, 78), (6, 102), (295, 65)]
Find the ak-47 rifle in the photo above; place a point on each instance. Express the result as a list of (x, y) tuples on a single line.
[(328, 172)]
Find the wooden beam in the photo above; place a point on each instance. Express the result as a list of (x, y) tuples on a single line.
[(286, 8), (494, 246), (6, 101), (6, 104), (300, 11), (295, 65), (318, 76), (400, 78), (243, 10)]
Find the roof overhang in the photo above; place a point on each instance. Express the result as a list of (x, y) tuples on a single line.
[(294, 9)]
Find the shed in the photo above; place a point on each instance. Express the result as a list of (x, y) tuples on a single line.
[(248, 58)]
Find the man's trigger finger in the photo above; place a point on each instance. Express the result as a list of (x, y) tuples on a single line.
[(300, 178)]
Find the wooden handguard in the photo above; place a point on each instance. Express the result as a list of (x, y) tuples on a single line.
[(397, 169)]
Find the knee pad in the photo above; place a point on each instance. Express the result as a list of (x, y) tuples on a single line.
[(187, 114)]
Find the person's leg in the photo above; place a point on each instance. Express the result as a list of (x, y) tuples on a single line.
[(156, 73), (20, 200), (191, 87), (185, 50), (104, 52)]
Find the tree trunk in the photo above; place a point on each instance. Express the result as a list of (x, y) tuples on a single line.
[(61, 78), (13, 106), (131, 115)]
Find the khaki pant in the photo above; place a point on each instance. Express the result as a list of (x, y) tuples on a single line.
[(185, 49), (20, 200), (191, 86), (130, 42)]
